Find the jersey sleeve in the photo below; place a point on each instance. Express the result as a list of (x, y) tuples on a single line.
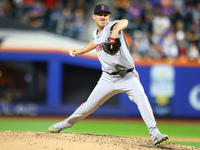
[(111, 24), (94, 34), (108, 28)]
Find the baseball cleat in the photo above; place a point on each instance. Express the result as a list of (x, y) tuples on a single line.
[(57, 127), (160, 138), (52, 130)]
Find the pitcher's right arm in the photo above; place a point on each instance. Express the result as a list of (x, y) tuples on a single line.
[(75, 51)]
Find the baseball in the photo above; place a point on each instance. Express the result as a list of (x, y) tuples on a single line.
[(71, 53)]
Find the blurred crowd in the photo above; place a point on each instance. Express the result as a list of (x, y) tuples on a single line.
[(162, 28), (157, 28), (66, 17)]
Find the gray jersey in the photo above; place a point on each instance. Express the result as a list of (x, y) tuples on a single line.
[(112, 63)]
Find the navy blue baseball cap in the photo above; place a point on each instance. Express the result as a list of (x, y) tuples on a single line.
[(101, 8)]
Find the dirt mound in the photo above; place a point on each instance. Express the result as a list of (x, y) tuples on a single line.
[(78, 141)]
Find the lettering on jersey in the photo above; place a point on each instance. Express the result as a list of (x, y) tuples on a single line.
[(99, 47)]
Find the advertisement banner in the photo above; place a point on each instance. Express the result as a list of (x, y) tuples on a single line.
[(162, 89), (187, 92)]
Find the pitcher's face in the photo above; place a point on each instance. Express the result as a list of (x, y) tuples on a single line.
[(102, 19)]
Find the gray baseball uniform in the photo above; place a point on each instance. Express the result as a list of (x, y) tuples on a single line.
[(121, 81), (121, 60)]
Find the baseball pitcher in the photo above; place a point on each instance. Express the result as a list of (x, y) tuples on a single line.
[(118, 74)]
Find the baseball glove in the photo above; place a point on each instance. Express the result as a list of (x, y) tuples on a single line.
[(112, 46)]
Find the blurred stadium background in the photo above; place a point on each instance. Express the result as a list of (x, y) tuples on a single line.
[(38, 77)]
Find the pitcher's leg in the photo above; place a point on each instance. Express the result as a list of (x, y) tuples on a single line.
[(102, 92), (147, 114), (136, 93)]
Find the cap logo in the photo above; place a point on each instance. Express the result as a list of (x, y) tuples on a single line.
[(102, 7)]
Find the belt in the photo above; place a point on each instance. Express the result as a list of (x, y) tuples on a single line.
[(115, 73)]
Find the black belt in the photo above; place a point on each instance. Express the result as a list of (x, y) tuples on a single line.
[(115, 73)]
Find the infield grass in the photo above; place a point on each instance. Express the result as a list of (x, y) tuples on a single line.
[(136, 129)]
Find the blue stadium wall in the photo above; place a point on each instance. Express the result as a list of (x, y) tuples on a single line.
[(173, 91)]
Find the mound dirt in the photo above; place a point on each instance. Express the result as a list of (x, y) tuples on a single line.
[(16, 140)]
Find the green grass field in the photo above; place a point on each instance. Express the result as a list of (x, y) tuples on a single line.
[(118, 128)]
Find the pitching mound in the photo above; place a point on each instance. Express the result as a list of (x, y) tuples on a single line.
[(77, 141)]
